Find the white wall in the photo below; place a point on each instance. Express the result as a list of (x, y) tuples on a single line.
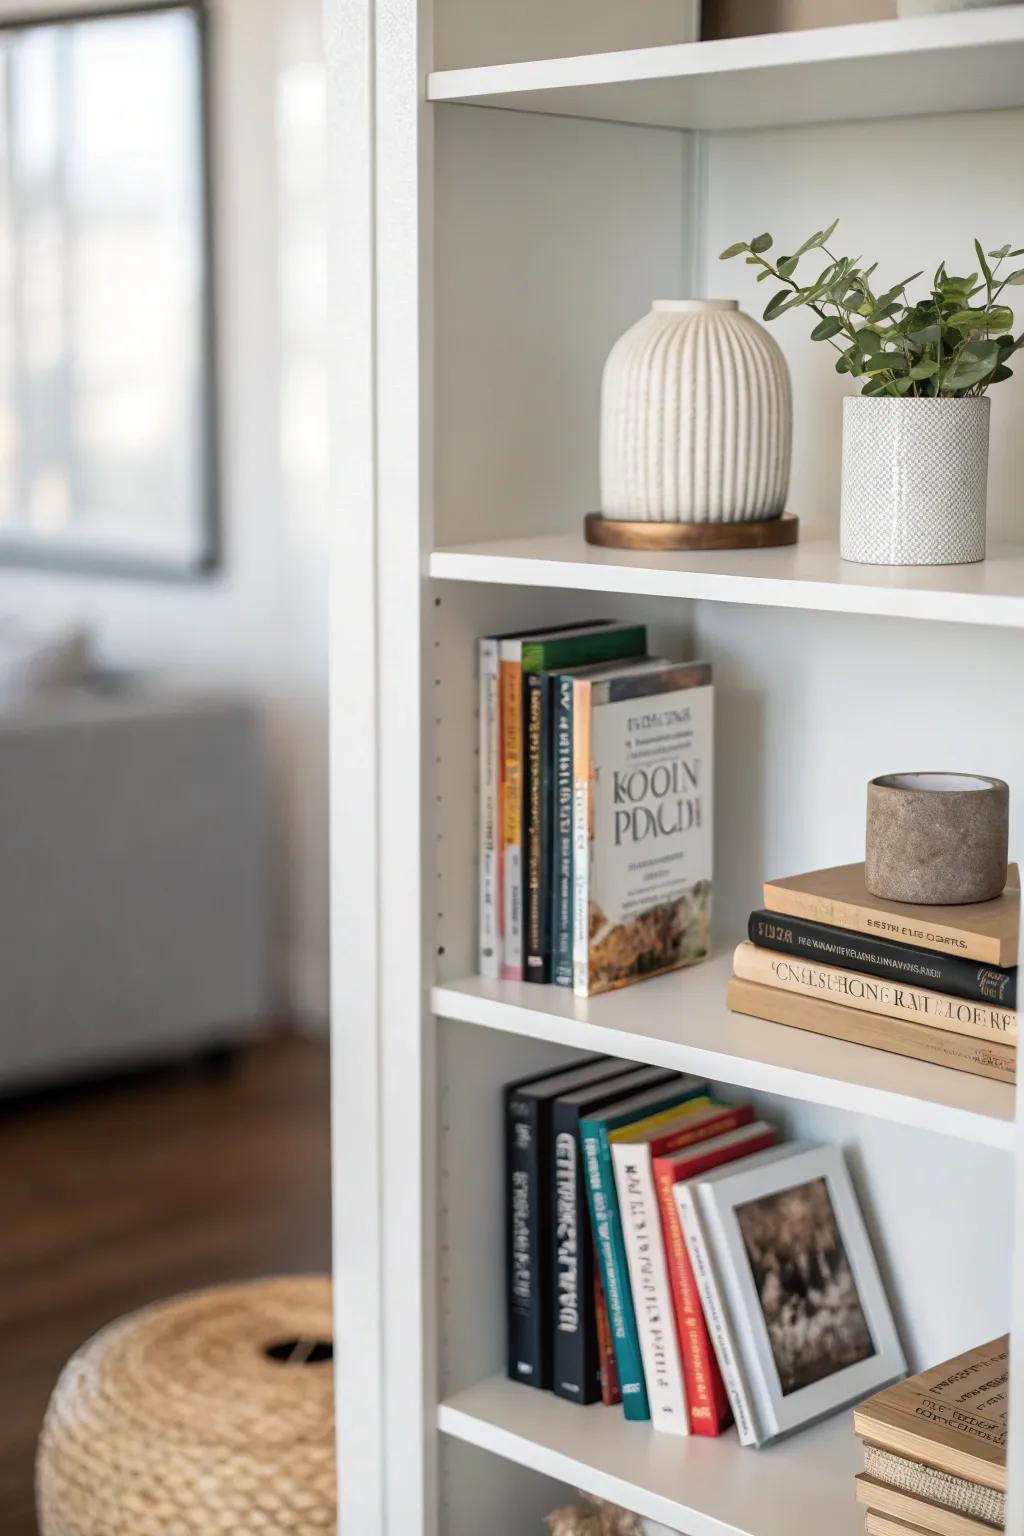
[(260, 621)]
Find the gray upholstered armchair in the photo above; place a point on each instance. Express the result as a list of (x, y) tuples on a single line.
[(133, 879)]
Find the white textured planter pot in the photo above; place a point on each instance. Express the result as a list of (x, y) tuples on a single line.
[(915, 479), (696, 418)]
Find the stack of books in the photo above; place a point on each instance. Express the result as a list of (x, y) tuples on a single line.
[(663, 1252), (935, 1449), (595, 807), (936, 983)]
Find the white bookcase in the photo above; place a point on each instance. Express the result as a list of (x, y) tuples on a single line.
[(500, 215)]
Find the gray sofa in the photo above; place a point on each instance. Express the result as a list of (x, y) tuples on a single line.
[(134, 881)]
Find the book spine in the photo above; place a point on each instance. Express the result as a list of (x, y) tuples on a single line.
[(714, 1313), (604, 1216), (888, 999), (526, 1343), (610, 1394), (705, 1390), (648, 1278), (512, 811), (901, 963), (936, 936), (581, 839), (921, 1042), (575, 1360), (490, 747), (562, 835), (536, 937)]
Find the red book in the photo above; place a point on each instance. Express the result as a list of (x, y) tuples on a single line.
[(705, 1390), (610, 1394)]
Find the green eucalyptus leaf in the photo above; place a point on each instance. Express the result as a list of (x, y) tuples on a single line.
[(1015, 278), (734, 250), (761, 243), (926, 336), (787, 266), (925, 369), (763, 276), (885, 362), (875, 387), (844, 363), (983, 264), (966, 370), (902, 386), (999, 318), (1003, 251), (776, 303), (1001, 373), (830, 326)]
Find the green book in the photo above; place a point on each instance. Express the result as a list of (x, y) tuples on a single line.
[(642, 1109), (540, 656)]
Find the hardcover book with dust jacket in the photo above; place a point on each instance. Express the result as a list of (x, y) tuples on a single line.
[(642, 820)]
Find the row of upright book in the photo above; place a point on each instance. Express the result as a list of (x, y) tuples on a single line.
[(935, 983), (595, 807), (667, 1252)]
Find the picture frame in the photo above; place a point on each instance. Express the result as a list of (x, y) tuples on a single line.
[(806, 1300)]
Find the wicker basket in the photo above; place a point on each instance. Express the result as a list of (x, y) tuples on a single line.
[(207, 1415)]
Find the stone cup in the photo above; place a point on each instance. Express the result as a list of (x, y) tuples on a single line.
[(936, 839)]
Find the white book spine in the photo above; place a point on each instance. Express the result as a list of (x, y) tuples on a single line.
[(580, 839), (490, 752), (714, 1313), (511, 831), (648, 1279)]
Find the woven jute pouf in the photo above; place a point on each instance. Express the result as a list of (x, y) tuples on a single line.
[(206, 1415)]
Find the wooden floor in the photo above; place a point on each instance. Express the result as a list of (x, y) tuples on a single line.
[(114, 1196)]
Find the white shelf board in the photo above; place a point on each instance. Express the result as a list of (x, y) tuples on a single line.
[(681, 1021), (808, 575), (967, 62), (802, 1486)]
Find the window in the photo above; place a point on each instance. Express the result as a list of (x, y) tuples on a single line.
[(106, 424)]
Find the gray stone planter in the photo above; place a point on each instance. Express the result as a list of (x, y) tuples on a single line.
[(915, 479)]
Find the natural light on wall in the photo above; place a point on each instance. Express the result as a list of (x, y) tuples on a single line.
[(105, 389)]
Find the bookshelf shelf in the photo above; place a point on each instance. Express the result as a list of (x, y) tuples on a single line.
[(809, 576), (799, 1487), (681, 1021), (933, 64)]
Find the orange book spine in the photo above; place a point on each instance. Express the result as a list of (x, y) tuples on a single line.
[(610, 1394), (705, 1390), (512, 819)]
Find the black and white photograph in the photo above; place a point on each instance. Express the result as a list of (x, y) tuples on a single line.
[(805, 1286)]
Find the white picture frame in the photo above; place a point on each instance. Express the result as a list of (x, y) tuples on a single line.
[(785, 1405)]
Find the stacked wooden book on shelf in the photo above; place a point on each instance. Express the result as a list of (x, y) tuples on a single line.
[(935, 1449), (935, 983)]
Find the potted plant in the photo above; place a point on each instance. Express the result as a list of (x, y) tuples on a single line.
[(915, 440)]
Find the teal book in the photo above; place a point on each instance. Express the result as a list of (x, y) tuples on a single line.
[(595, 1133), (601, 641)]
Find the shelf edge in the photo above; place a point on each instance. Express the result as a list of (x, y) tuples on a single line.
[(757, 1076)]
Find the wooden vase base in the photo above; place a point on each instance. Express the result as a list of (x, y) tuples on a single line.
[(767, 533)]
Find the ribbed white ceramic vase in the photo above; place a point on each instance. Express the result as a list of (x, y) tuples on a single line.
[(696, 418), (915, 480)]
